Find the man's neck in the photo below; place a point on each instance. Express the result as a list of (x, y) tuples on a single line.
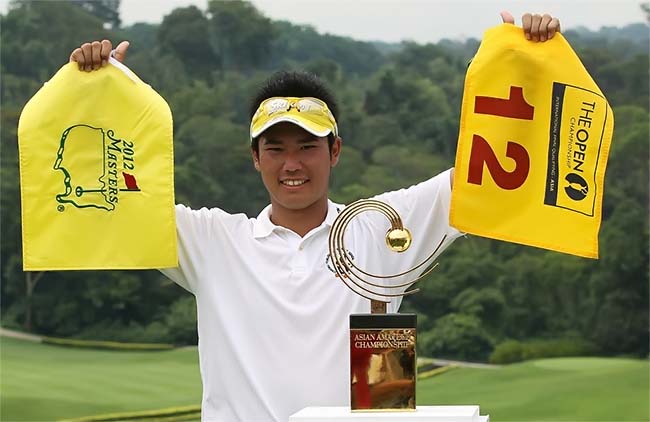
[(300, 221)]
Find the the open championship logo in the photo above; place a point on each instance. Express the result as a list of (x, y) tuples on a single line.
[(97, 168), (577, 188), (578, 135)]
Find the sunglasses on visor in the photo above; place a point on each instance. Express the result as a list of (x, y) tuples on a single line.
[(310, 113)]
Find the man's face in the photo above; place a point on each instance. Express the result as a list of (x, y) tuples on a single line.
[(295, 166)]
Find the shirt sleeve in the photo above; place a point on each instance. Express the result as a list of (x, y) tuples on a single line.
[(194, 229), (424, 210)]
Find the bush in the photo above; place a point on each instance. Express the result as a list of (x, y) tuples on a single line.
[(180, 321), (538, 349), (110, 345), (456, 336), (514, 351), (132, 332), (509, 351)]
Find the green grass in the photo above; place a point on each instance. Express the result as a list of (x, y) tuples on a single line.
[(563, 389), (40, 382), (45, 383)]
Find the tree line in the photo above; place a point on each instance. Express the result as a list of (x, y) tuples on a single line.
[(399, 121)]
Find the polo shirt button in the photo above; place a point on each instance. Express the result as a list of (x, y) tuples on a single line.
[(301, 247)]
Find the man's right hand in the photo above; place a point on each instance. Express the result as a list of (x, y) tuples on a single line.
[(93, 55)]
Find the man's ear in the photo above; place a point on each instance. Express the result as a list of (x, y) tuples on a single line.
[(256, 159), (336, 151)]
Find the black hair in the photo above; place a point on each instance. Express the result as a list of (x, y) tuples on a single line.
[(293, 84)]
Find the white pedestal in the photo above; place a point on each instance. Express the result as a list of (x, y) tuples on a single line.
[(421, 414)]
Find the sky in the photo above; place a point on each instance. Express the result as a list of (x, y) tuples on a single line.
[(416, 20)]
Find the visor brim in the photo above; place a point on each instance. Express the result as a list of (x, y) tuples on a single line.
[(311, 127)]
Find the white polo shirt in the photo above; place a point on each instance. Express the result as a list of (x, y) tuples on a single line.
[(272, 317)]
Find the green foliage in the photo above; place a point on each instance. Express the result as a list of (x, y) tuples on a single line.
[(127, 332), (105, 345), (302, 45), (28, 32), (511, 351), (185, 34), (106, 10), (487, 303), (456, 335), (241, 36), (181, 321), (399, 121), (538, 349)]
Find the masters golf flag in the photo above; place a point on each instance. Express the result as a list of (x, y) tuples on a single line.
[(96, 173), (534, 136)]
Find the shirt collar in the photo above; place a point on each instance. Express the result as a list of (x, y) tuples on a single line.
[(263, 226)]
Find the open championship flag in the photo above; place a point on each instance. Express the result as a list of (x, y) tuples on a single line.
[(97, 173), (534, 137)]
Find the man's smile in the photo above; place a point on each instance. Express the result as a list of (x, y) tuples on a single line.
[(294, 182)]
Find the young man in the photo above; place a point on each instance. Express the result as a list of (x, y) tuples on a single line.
[(272, 317)]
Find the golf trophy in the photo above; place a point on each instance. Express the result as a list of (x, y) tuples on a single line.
[(382, 346)]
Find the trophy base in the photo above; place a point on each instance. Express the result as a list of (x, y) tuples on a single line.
[(382, 362)]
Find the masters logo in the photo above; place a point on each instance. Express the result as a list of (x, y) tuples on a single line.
[(97, 168)]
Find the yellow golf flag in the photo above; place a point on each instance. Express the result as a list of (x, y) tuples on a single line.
[(534, 137), (96, 173)]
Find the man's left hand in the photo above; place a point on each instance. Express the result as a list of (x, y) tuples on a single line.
[(536, 27)]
